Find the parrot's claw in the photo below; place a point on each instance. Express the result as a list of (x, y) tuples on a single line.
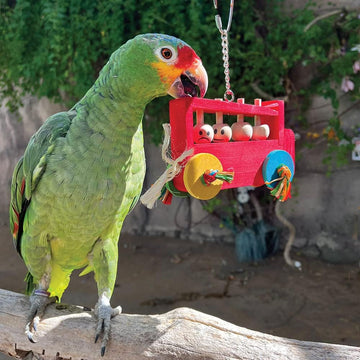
[(104, 314), (38, 302)]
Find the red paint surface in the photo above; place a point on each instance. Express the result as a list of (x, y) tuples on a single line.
[(245, 158)]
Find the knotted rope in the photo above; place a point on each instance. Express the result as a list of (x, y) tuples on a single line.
[(210, 176), (282, 190), (173, 169)]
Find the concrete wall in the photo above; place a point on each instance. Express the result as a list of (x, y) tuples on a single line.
[(14, 135), (326, 210)]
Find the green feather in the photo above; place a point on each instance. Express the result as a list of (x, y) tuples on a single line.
[(30, 286)]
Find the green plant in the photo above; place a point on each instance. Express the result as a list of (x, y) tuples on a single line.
[(56, 48)]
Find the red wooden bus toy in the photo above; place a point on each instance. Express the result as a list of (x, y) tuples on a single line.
[(257, 154)]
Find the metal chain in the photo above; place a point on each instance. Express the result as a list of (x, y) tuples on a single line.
[(229, 94)]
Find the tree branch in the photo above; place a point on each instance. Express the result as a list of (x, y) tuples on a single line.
[(67, 332), (321, 17)]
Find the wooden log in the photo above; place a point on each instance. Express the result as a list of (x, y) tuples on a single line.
[(67, 332)]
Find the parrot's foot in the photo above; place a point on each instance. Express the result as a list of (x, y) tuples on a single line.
[(104, 313), (39, 300)]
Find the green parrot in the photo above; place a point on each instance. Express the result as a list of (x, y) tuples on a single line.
[(83, 171)]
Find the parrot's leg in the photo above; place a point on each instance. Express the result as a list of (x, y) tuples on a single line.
[(104, 313), (39, 300), (39, 264), (50, 278), (41, 297), (104, 259)]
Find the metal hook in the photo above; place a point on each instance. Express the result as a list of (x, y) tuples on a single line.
[(218, 17), (229, 95)]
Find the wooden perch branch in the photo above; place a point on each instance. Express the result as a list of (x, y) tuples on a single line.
[(67, 332)]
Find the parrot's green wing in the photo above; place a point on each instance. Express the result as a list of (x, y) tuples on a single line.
[(30, 168)]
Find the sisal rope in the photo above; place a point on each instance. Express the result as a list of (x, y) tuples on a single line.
[(173, 169)]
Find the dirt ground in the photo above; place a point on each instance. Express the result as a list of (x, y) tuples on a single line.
[(155, 275)]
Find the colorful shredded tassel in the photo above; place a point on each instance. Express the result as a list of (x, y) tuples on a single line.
[(282, 190), (166, 197), (168, 191), (212, 175)]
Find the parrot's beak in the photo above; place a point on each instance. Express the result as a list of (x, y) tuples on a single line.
[(192, 82)]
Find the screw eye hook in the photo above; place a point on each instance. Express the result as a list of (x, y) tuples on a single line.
[(218, 17)]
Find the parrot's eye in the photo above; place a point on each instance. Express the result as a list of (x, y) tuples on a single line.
[(166, 53)]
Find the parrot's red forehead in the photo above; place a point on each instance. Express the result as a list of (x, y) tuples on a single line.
[(186, 57)]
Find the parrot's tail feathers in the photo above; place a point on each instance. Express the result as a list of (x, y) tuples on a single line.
[(30, 285), (87, 270)]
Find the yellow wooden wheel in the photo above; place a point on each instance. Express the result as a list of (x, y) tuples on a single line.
[(194, 171)]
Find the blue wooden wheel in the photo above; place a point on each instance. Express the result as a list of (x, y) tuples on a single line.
[(273, 161)]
